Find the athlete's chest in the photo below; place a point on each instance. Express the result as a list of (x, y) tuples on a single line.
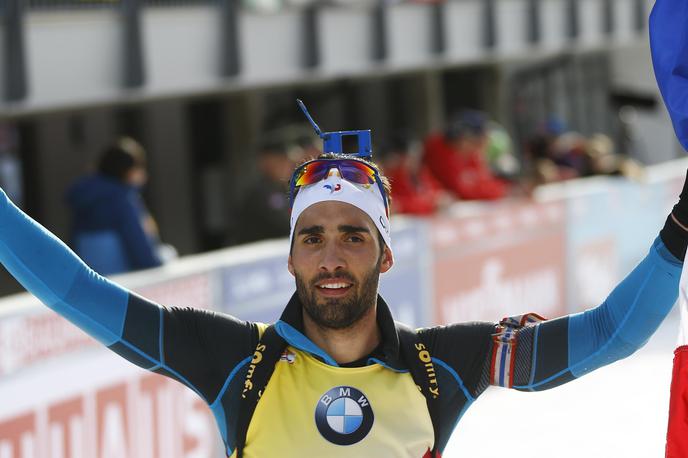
[(311, 408)]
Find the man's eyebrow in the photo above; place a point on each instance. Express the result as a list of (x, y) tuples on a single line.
[(312, 230), (348, 228)]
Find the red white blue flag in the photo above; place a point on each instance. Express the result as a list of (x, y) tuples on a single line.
[(669, 45)]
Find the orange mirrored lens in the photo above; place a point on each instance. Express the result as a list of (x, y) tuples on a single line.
[(354, 171)]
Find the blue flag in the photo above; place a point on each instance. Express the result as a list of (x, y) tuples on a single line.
[(669, 46)]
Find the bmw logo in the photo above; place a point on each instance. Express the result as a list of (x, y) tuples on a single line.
[(344, 415)]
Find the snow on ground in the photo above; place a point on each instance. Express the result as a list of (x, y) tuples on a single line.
[(617, 411)]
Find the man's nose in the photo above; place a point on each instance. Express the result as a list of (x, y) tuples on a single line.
[(331, 259)]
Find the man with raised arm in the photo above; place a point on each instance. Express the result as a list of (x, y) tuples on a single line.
[(335, 376)]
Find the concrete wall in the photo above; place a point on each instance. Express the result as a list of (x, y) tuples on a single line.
[(77, 57), (2, 55), (654, 137), (73, 57)]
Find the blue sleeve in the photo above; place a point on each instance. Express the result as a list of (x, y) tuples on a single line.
[(140, 248), (557, 351), (629, 316), (48, 269), (198, 348)]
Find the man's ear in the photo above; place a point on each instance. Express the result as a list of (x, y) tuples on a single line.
[(290, 266), (387, 260)]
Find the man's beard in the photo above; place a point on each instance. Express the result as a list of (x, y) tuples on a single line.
[(339, 313)]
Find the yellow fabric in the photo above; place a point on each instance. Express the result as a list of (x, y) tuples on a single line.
[(284, 425), (261, 329)]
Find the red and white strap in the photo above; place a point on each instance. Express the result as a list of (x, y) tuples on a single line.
[(504, 342)]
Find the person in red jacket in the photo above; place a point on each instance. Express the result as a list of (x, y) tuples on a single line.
[(456, 158), (415, 191)]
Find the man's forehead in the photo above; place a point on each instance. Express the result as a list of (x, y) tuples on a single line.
[(332, 214)]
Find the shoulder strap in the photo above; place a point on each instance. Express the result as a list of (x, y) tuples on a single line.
[(268, 351), (419, 362)]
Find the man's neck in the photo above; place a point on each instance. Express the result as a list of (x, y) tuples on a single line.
[(346, 345)]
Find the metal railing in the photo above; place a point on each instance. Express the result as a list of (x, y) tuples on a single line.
[(251, 5), (81, 4), (13, 12)]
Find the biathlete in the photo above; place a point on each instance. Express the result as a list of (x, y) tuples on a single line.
[(335, 376)]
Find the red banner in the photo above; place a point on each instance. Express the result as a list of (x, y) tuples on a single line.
[(507, 261)]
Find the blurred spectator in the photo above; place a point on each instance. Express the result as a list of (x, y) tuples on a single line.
[(500, 152), (556, 154), (457, 158), (112, 230), (309, 145), (569, 151), (10, 165), (264, 209), (414, 189), (605, 161)]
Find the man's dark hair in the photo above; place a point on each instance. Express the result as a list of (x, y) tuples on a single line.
[(119, 158)]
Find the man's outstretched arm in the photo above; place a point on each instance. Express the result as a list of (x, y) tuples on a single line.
[(554, 352), (557, 351), (196, 347)]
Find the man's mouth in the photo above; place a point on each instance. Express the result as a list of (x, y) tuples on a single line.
[(334, 287)]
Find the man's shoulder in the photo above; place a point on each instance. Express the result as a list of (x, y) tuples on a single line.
[(469, 340), (212, 324), (467, 330), (461, 352)]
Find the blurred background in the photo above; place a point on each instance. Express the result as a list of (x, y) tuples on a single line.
[(531, 159)]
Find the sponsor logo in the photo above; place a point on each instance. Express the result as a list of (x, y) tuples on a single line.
[(257, 358), (382, 223), (333, 189), (288, 356), (426, 361), (344, 415)]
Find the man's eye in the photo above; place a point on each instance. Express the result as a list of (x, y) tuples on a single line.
[(355, 238), (311, 240)]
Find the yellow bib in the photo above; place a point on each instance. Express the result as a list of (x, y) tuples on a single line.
[(310, 409)]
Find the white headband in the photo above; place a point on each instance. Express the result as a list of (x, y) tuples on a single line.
[(333, 188)]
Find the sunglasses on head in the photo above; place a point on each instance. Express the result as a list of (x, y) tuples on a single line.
[(352, 170)]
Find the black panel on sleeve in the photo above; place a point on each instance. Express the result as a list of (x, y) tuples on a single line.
[(465, 347), (559, 380), (169, 374), (204, 346), (524, 358), (132, 356), (674, 237), (551, 347), (142, 326)]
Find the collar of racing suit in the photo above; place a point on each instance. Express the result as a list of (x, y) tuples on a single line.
[(290, 328)]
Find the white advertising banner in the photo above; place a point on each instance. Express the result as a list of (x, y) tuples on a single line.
[(98, 405)]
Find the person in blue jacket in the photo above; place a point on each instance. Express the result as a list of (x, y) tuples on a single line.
[(112, 230)]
